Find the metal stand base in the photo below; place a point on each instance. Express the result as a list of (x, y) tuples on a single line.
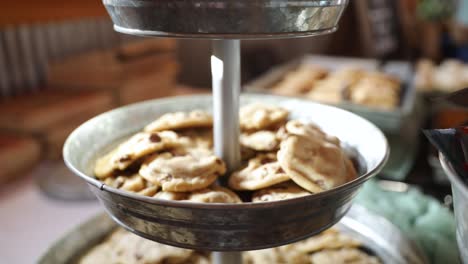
[(225, 70)]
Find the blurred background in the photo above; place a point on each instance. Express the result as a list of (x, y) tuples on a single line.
[(61, 63)]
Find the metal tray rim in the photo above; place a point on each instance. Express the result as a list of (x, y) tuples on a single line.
[(105, 225), (251, 206)]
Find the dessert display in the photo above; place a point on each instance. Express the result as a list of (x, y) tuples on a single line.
[(451, 75), (173, 159), (331, 246), (350, 84)]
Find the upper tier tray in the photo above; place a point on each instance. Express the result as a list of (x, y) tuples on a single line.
[(226, 19)]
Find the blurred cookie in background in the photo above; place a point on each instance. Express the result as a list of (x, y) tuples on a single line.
[(18, 154)]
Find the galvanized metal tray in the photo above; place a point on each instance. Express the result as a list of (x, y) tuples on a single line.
[(377, 234), (225, 19), (388, 121), (225, 227)]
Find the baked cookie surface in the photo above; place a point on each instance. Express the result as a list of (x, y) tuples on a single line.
[(214, 194), (262, 171), (182, 173), (314, 164), (258, 116), (180, 120), (263, 140), (282, 191)]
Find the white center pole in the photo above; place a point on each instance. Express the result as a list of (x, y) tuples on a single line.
[(225, 70)]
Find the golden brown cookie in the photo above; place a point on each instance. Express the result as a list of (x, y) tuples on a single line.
[(135, 249), (342, 256), (261, 172), (376, 90), (181, 120), (197, 138), (276, 256), (173, 196), (334, 88), (282, 191), (149, 191), (138, 146), (300, 80), (295, 127), (325, 92), (328, 239), (258, 116), (133, 183), (214, 194), (125, 247), (260, 141), (104, 167), (102, 253), (182, 172), (314, 164), (263, 256), (424, 78)]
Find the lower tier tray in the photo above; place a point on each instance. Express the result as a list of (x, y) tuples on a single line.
[(376, 234)]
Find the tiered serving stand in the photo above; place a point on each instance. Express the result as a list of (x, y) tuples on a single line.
[(226, 229)]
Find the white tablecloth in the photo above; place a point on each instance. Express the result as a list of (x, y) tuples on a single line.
[(30, 221)]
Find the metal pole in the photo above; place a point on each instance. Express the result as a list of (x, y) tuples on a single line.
[(225, 70), (226, 257)]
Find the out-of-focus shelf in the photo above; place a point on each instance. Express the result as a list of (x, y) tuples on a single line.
[(32, 11)]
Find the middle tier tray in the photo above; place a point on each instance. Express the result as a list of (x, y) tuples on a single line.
[(226, 227)]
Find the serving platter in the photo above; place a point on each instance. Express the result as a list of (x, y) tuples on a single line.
[(389, 121), (377, 235), (225, 227)]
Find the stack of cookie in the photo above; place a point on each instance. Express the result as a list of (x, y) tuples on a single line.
[(372, 89), (450, 76), (331, 246), (173, 159)]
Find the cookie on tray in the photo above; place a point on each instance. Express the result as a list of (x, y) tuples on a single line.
[(314, 164), (197, 138), (282, 191), (260, 141), (296, 127), (172, 196), (182, 172), (328, 239), (262, 171), (345, 255), (136, 147), (258, 116), (214, 194), (300, 80), (181, 120)]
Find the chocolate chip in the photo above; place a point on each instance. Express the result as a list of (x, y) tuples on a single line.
[(155, 138), (138, 256), (266, 160), (218, 161), (125, 158), (119, 182), (168, 177)]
